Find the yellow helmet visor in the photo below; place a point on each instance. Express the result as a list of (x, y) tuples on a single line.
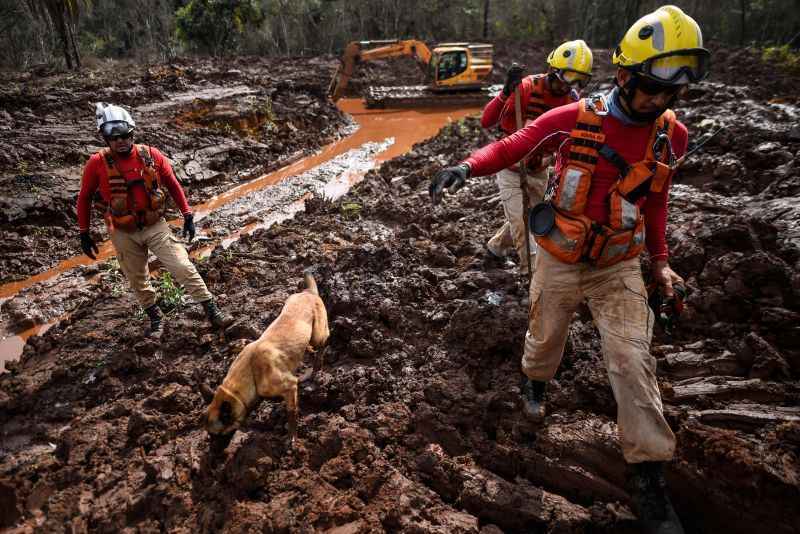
[(680, 67)]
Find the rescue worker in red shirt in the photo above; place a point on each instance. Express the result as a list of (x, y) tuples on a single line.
[(607, 203), (131, 180), (569, 68)]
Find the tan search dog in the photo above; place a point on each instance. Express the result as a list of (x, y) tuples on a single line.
[(265, 367)]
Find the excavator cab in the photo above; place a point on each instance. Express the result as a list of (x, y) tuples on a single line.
[(448, 64), (460, 66)]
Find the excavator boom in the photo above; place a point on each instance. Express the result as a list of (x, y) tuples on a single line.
[(355, 52)]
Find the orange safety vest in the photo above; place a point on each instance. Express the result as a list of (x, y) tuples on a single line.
[(531, 96), (118, 212), (575, 237)]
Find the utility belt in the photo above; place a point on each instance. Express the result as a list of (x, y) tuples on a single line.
[(577, 238), (573, 237)]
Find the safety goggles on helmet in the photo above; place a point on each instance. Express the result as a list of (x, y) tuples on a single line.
[(572, 77), (678, 67), (116, 129)]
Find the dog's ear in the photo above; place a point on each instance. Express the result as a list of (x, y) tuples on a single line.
[(226, 413)]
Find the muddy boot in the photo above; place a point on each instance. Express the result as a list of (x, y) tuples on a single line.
[(215, 316), (156, 326), (533, 399), (650, 500)]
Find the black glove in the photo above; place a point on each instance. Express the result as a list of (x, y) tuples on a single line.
[(87, 245), (451, 178), (188, 226), (667, 309), (513, 78)]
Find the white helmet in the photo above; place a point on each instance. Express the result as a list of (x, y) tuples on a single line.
[(113, 120)]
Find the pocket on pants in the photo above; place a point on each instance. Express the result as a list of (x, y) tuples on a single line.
[(638, 316), (535, 312)]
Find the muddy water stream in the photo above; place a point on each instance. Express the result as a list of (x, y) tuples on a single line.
[(395, 130)]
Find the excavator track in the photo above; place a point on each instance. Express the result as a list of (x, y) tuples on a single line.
[(421, 96)]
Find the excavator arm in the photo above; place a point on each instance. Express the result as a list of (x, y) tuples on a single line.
[(354, 53)]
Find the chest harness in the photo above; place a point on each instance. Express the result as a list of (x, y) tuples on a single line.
[(566, 232), (121, 211)]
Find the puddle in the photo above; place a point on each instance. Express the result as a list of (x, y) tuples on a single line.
[(12, 344), (382, 135)]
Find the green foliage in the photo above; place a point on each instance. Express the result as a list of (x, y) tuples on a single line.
[(350, 210), (110, 270), (170, 296), (782, 56), (216, 26)]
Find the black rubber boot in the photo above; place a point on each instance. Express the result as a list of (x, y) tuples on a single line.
[(533, 399), (156, 326), (215, 316), (650, 500)]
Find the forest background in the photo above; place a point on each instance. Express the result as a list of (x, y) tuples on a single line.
[(74, 33)]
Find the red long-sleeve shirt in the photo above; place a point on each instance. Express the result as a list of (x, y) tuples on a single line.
[(95, 175), (629, 141)]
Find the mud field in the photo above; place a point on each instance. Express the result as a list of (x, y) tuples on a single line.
[(413, 423)]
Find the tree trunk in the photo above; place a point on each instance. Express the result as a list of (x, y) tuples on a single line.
[(486, 19), (62, 32), (75, 51), (743, 5)]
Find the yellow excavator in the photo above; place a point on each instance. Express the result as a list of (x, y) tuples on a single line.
[(457, 73)]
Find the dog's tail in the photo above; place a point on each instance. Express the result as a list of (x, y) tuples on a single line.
[(311, 284)]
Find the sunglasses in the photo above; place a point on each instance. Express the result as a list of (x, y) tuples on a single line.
[(118, 137), (651, 87)]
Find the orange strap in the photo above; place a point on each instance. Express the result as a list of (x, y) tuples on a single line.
[(586, 138)]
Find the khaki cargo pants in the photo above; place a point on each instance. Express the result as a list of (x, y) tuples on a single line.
[(512, 233), (618, 301), (132, 255)]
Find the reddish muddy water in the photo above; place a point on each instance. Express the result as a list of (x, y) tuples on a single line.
[(406, 126)]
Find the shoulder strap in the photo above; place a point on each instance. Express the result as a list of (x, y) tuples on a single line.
[(151, 177), (587, 137), (660, 146), (108, 158)]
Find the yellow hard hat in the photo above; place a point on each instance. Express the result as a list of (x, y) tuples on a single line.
[(575, 56), (666, 45)]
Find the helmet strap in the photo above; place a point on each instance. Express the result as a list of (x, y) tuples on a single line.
[(627, 93), (552, 78)]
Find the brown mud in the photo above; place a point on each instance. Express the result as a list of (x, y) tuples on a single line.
[(413, 425)]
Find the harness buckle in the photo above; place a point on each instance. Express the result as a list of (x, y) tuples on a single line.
[(591, 104)]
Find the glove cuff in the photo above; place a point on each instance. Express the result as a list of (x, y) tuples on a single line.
[(467, 169)]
